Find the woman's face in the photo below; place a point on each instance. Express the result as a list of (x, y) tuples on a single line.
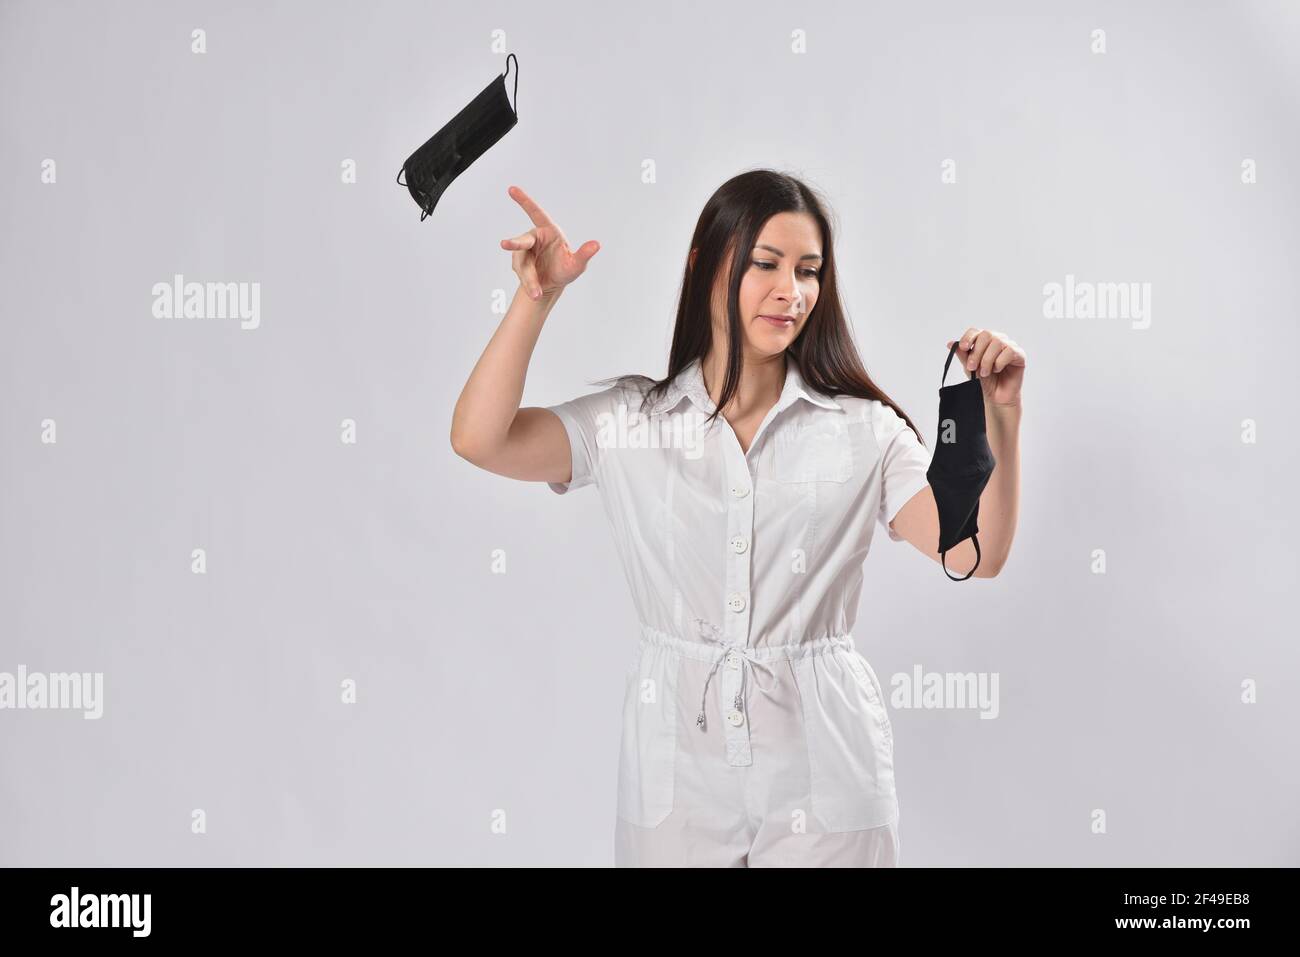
[(782, 280)]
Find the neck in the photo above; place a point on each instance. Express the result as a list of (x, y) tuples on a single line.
[(761, 382)]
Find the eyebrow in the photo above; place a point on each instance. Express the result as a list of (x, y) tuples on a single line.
[(779, 253)]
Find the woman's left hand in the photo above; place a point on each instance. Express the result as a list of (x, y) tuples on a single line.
[(997, 360)]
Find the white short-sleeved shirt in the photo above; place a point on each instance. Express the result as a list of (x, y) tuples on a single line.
[(746, 571)]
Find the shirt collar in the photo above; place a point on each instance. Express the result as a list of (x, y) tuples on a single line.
[(689, 384)]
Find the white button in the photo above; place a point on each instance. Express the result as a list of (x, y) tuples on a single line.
[(739, 544), (733, 660), (735, 718), (740, 491), (736, 602)]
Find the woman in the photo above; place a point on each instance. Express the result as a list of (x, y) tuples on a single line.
[(742, 490)]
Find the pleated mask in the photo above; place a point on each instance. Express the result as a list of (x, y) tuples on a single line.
[(465, 137)]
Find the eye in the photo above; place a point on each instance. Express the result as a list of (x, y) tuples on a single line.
[(809, 271)]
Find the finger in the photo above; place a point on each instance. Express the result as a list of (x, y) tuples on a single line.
[(535, 212), (530, 278), (967, 339), (1006, 357), (584, 252), (522, 241), (978, 345), (523, 261), (991, 353)]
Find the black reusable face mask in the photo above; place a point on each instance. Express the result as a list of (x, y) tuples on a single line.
[(467, 136), (960, 468)]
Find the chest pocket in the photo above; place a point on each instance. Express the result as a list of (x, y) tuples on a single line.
[(822, 452)]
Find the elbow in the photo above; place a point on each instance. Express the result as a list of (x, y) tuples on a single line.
[(463, 441), (475, 450), (462, 446)]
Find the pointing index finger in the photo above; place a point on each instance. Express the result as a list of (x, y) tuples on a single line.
[(535, 212)]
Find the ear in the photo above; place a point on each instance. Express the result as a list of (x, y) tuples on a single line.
[(691, 261)]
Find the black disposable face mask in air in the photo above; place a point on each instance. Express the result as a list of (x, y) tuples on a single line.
[(960, 468), (466, 136)]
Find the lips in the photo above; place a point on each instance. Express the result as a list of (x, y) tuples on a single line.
[(781, 322)]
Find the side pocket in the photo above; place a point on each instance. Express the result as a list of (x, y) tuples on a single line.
[(850, 749), (867, 675), (648, 753)]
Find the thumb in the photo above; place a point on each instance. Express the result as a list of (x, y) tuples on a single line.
[(586, 251)]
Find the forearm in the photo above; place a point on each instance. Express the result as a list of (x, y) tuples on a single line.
[(488, 403), (1000, 501)]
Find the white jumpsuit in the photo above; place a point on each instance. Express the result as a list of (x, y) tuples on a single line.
[(754, 731)]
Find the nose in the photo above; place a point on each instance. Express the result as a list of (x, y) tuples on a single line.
[(791, 291), (794, 296)]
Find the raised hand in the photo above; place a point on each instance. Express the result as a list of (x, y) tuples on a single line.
[(541, 257)]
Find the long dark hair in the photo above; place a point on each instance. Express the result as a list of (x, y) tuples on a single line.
[(732, 220)]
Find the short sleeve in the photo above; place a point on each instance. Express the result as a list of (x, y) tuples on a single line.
[(904, 462), (582, 418)]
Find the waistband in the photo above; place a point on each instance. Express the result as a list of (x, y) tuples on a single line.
[(713, 648)]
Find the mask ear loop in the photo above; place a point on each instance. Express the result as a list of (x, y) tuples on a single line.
[(951, 352), (424, 204), (515, 107), (943, 556)]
